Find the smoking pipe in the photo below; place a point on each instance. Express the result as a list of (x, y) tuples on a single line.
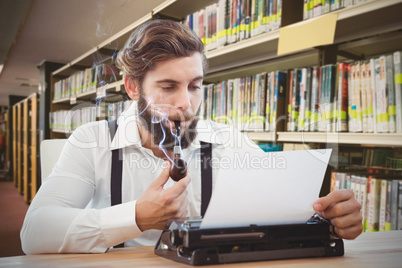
[(179, 166)]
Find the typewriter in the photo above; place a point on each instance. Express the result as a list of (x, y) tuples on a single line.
[(183, 241)]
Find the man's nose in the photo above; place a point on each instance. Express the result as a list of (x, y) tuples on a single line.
[(182, 99)]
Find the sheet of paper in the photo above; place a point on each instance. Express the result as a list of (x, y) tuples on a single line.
[(266, 188), (306, 34)]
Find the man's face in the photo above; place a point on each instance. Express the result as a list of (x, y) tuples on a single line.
[(172, 90)]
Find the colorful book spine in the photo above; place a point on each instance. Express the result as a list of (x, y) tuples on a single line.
[(381, 95), (314, 103), (302, 100), (373, 93), (268, 101), (389, 66), (388, 204), (279, 101), (307, 111), (342, 98), (383, 204), (394, 204), (295, 99), (398, 89), (374, 205), (363, 199)]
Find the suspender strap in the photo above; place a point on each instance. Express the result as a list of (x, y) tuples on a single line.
[(117, 169), (117, 172), (206, 175)]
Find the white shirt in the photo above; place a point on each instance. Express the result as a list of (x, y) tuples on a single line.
[(71, 211)]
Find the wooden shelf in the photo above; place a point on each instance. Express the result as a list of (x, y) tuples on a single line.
[(25, 150), (381, 139), (179, 9), (62, 131), (261, 136), (62, 100)]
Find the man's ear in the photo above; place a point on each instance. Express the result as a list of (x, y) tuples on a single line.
[(132, 88)]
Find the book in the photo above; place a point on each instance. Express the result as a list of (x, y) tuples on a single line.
[(363, 199), (383, 203), (381, 95), (268, 101), (394, 204), (315, 100), (363, 94), (399, 220), (302, 100), (387, 225), (277, 121), (398, 89), (373, 204), (370, 96), (355, 113), (389, 66), (295, 99), (221, 23), (373, 93), (342, 98)]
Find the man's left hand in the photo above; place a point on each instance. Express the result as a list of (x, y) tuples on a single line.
[(341, 208)]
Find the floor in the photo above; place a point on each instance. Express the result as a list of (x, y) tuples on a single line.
[(12, 212)]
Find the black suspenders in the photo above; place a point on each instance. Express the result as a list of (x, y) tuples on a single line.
[(206, 175), (117, 168), (117, 172), (116, 175)]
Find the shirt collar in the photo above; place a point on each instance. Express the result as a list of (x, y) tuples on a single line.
[(127, 133)]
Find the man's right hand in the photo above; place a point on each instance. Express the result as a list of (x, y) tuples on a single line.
[(157, 205)]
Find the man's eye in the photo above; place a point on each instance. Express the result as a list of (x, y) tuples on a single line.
[(194, 87), (167, 88)]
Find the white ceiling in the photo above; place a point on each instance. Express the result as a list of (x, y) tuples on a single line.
[(56, 31)]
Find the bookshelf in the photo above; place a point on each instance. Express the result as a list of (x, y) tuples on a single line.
[(357, 36), (368, 29), (4, 139), (25, 146)]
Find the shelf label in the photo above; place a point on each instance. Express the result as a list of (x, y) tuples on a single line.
[(100, 92), (307, 34), (73, 100)]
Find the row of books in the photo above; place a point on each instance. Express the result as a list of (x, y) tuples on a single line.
[(68, 120), (394, 162), (86, 80), (230, 21), (315, 8), (380, 196), (245, 103), (362, 96), (114, 110)]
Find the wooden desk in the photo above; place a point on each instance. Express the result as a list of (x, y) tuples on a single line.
[(382, 249)]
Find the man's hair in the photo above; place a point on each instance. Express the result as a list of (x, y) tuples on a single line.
[(156, 41)]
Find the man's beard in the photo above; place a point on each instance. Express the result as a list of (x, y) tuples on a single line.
[(158, 130)]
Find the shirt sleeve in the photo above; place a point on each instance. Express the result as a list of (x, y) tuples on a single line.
[(58, 221)]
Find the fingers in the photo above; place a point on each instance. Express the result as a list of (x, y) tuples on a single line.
[(180, 206), (342, 209), (179, 187), (334, 197), (350, 232), (347, 220), (163, 177)]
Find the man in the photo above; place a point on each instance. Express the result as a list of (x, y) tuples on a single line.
[(164, 66)]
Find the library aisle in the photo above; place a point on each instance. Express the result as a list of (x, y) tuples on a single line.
[(12, 210)]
